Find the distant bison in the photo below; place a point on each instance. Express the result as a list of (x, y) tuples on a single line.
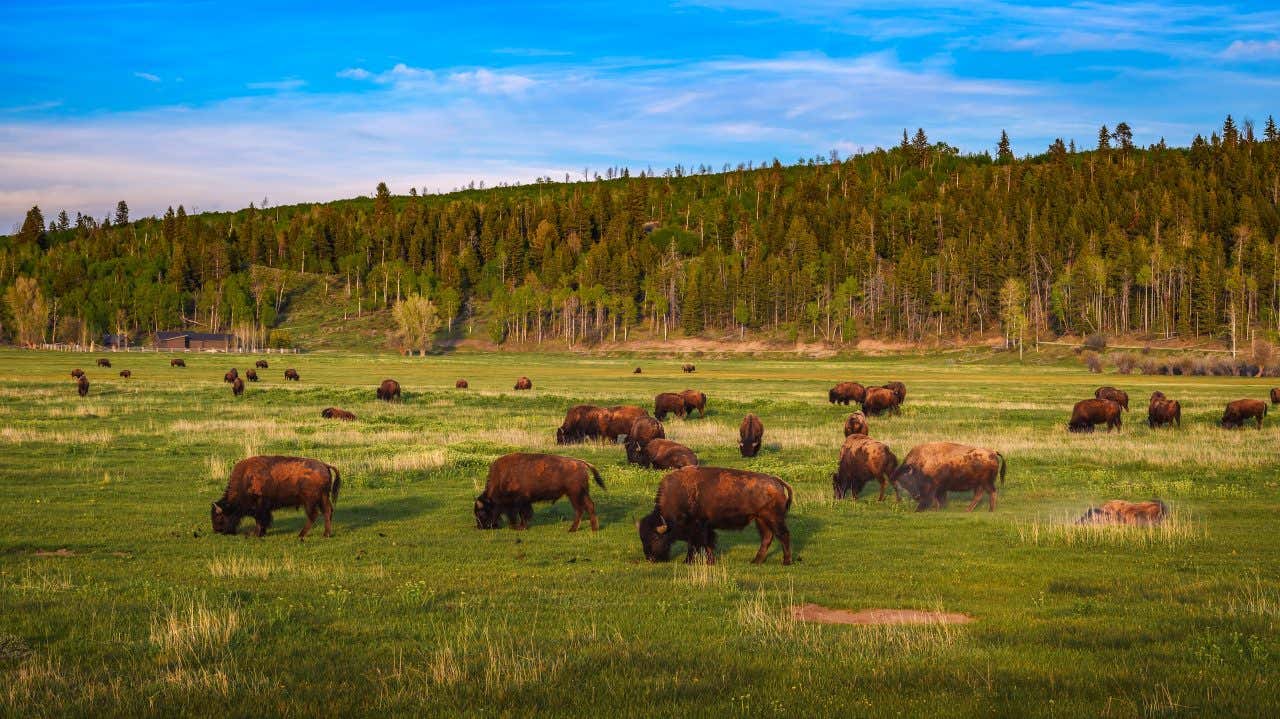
[(1163, 412), (518, 480), (665, 454), (104, 362), (856, 424), (693, 502), (879, 400), (581, 422), (1118, 511), (251, 375), (846, 392), (126, 373), (335, 413), (1090, 412), (932, 470), (237, 387), (461, 384), (750, 434), (1242, 410), (619, 420), (261, 364), (82, 386), (636, 371), (260, 485), (389, 390), (230, 376), (177, 362), (668, 403), (688, 368), (642, 430), (863, 459), (1275, 395), (292, 374), (694, 399), (524, 383), (77, 373), (1118, 396), (898, 389)]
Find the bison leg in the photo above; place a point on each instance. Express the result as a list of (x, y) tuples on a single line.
[(326, 505), (312, 512), (977, 497), (784, 534), (883, 482), (991, 497), (264, 522), (766, 539)]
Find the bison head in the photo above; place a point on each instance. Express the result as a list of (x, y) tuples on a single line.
[(487, 514), (655, 537), (916, 484), (225, 518), (562, 437)]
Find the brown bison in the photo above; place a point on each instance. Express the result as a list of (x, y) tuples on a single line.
[(642, 430), (1090, 412), (237, 387), (846, 392), (693, 502), (389, 391), (1275, 395), (292, 374), (1163, 412), (518, 480), (524, 383), (82, 385), (636, 371), (619, 420), (694, 399), (668, 403), (335, 413), (932, 470), (665, 454), (230, 376), (750, 433), (261, 364), (104, 362), (177, 362), (1118, 396), (688, 369), (581, 422), (251, 375), (1242, 410), (261, 485), (77, 373), (856, 424), (898, 389), (126, 373), (878, 401), (863, 459), (1118, 511), (461, 384), (1157, 395)]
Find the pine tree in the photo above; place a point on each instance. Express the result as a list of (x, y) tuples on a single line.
[(1123, 135), (1104, 138), (1004, 151), (122, 213), (1230, 134), (1058, 150), (920, 147), (1270, 132)]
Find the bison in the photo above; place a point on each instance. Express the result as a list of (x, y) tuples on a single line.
[(82, 385), (1242, 410), (177, 362), (1275, 395), (618, 421), (1090, 412), (581, 422), (335, 413), (261, 364), (932, 470), (524, 383), (750, 433), (694, 399), (104, 362), (230, 376), (1157, 395), (898, 389), (1162, 412), (856, 424), (389, 390), (642, 430), (636, 371), (693, 502), (665, 454), (237, 387), (461, 384), (292, 374), (126, 373), (260, 485), (518, 480), (863, 459), (688, 369), (251, 375), (1118, 511), (846, 392), (77, 373), (1118, 396), (668, 403), (879, 400)]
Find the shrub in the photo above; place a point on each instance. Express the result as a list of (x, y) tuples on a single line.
[(1149, 365), (1092, 360), (1263, 352), (1096, 342), (1124, 362), (280, 339)]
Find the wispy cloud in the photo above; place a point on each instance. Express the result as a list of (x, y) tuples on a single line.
[(277, 85), (147, 76), (1252, 50), (480, 80), (531, 52), (33, 107)]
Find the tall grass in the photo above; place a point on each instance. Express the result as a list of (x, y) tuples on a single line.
[(1177, 531)]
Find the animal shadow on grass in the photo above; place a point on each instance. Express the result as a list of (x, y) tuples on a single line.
[(359, 516), (746, 541)]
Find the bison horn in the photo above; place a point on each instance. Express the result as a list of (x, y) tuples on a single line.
[(662, 529), (479, 504), (217, 508)]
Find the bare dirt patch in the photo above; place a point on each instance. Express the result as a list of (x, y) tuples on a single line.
[(819, 614), (64, 552)]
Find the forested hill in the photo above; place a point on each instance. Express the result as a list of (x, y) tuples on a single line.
[(913, 242)]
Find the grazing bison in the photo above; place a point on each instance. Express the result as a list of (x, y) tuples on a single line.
[(524, 383), (177, 362), (237, 387), (461, 384), (856, 424), (104, 362), (665, 454), (251, 375), (898, 389), (581, 422), (750, 433), (126, 373), (878, 401), (642, 430), (1157, 395), (389, 390), (636, 371), (1118, 396), (863, 459), (932, 470), (518, 480), (1090, 412), (694, 399), (82, 386), (261, 364), (230, 376), (688, 368), (77, 373), (292, 374), (261, 485), (1118, 511), (335, 413), (668, 403), (1162, 412), (846, 392), (1275, 395), (617, 421), (693, 502), (1242, 410)]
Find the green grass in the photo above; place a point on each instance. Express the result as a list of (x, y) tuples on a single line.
[(409, 610)]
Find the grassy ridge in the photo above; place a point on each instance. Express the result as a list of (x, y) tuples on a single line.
[(411, 610)]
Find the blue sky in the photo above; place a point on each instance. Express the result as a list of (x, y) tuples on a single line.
[(215, 105)]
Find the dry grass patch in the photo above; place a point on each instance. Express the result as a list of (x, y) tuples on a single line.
[(1177, 531), (190, 630), (701, 575)]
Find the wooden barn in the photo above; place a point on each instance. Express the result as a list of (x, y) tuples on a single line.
[(198, 341)]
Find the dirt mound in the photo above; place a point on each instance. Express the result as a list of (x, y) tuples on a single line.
[(64, 552), (823, 615)]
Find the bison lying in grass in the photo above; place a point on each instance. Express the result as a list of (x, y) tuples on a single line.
[(862, 460), (665, 454), (336, 413), (642, 431), (1089, 412), (260, 485), (518, 480), (750, 435), (932, 470), (1242, 410), (1118, 511)]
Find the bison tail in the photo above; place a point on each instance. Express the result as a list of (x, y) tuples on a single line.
[(1003, 464), (595, 474), (790, 494), (337, 483)]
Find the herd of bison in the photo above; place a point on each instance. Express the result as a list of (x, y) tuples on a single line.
[(692, 501)]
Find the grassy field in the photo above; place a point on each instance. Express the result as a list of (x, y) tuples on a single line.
[(116, 598)]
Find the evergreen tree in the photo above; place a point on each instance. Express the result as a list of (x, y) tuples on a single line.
[(122, 213), (1104, 138), (1230, 134), (1270, 133), (1123, 135), (1004, 150)]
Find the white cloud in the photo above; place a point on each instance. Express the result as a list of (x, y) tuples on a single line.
[(278, 85), (355, 73), (415, 79), (1252, 50), (147, 76)]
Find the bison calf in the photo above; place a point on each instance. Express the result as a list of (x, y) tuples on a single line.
[(1118, 396), (1242, 410), (1090, 412), (863, 459), (668, 403), (1118, 511), (846, 392), (335, 413), (856, 424), (389, 390), (260, 485), (518, 480), (693, 502), (292, 374), (750, 434), (665, 454), (932, 470)]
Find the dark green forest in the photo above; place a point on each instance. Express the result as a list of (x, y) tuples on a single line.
[(914, 242)]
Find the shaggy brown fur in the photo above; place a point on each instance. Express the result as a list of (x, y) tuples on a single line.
[(932, 470), (260, 485), (518, 480)]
